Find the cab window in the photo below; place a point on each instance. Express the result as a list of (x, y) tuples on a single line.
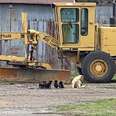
[(70, 26), (84, 22)]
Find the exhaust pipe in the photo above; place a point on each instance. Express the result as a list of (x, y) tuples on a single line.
[(113, 19)]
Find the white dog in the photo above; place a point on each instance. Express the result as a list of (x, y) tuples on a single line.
[(78, 82)]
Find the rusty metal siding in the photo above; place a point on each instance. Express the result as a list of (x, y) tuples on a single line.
[(10, 15), (39, 17), (10, 21), (10, 18), (33, 1), (103, 14)]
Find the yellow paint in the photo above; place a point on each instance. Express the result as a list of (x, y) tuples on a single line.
[(85, 42), (41, 36), (10, 35), (46, 65), (25, 26), (99, 68), (12, 58), (108, 40), (41, 65)]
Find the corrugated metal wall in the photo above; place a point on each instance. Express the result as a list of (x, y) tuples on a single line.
[(103, 14), (10, 16), (39, 18)]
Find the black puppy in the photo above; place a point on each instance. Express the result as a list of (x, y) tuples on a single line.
[(56, 84), (42, 85), (61, 85), (48, 85), (45, 85)]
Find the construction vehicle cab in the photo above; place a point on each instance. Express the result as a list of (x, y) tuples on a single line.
[(89, 46), (76, 25)]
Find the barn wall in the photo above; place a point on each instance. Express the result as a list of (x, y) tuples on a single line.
[(12, 15), (103, 14), (10, 21)]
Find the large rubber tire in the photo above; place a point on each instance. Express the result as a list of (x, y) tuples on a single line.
[(98, 67)]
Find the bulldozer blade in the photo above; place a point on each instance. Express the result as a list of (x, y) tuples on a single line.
[(32, 75)]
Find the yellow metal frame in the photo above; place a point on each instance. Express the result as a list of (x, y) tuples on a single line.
[(86, 43), (99, 68), (107, 38)]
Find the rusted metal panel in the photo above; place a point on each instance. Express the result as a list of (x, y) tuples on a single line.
[(103, 14), (10, 21), (40, 19), (33, 1), (32, 75)]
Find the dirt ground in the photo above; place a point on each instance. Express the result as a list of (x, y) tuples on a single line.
[(29, 100)]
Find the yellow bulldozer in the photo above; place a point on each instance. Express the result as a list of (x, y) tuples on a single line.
[(78, 38), (91, 46)]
